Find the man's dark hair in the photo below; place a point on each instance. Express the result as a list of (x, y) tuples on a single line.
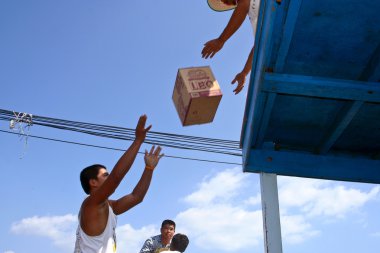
[(90, 172), (179, 242), (168, 222)]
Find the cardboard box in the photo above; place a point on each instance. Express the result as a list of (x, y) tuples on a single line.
[(196, 95)]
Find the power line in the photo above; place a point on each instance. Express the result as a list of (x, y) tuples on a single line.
[(220, 146), (110, 148)]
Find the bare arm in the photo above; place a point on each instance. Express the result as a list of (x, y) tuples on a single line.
[(127, 202), (122, 166), (240, 77), (94, 210), (237, 18)]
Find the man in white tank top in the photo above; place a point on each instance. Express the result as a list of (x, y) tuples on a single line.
[(242, 8), (97, 216)]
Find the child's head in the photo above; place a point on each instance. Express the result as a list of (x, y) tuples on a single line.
[(222, 5), (179, 243)]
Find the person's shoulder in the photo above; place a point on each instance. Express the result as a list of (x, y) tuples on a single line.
[(156, 237), (153, 238)]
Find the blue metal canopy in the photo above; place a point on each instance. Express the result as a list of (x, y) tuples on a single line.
[(313, 104)]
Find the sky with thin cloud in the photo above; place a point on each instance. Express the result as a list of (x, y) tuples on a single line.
[(218, 207)]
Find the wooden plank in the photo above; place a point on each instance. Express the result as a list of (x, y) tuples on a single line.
[(322, 87), (354, 169), (372, 71), (338, 126), (271, 98), (261, 56), (287, 36)]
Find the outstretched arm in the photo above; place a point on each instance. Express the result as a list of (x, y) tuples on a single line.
[(237, 18), (240, 77), (122, 166), (127, 202)]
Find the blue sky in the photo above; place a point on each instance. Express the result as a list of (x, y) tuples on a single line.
[(108, 62)]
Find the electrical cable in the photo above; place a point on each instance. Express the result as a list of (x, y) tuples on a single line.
[(220, 146), (117, 149)]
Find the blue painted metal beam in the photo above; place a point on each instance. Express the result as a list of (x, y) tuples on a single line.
[(322, 87), (330, 167)]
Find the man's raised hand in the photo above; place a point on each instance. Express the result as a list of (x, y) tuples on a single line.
[(151, 159), (141, 131)]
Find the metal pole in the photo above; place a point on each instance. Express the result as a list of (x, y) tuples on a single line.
[(271, 213)]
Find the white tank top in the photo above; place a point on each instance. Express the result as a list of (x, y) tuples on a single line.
[(253, 14), (103, 243)]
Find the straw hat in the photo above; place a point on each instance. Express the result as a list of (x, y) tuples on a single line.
[(218, 5)]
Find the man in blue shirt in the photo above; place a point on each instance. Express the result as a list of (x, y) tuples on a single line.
[(160, 242)]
